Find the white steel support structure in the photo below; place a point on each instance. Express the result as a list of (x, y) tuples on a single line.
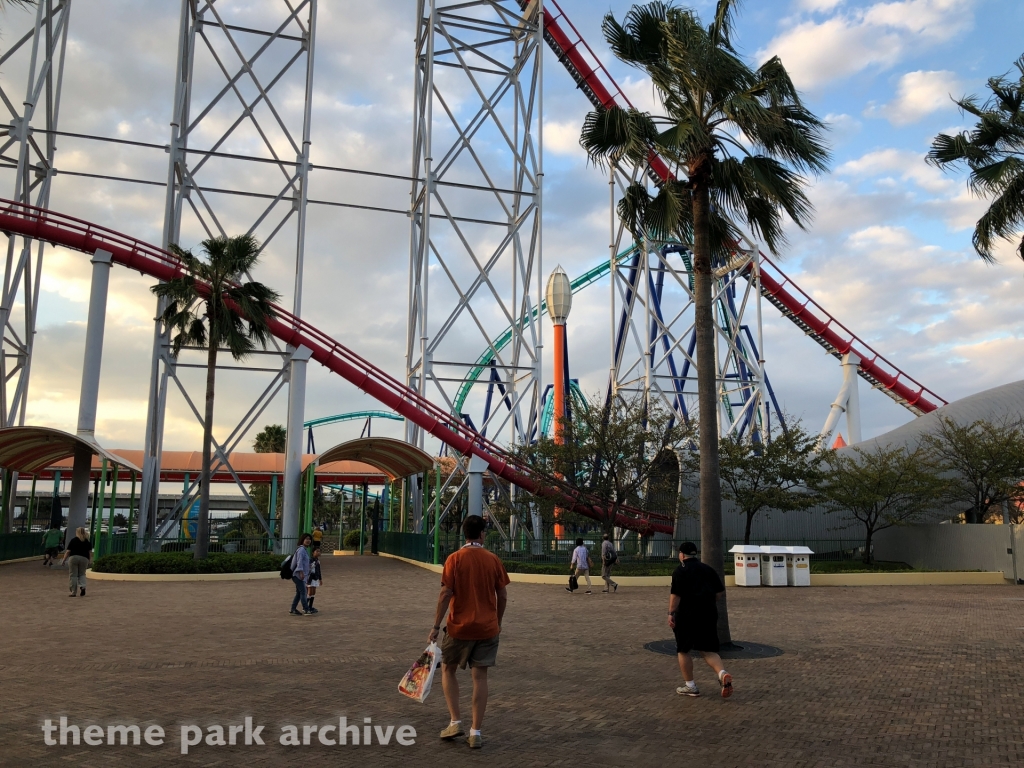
[(653, 342), (476, 200), (233, 115), (848, 402), (26, 162)]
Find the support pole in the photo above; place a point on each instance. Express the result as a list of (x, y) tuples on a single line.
[(31, 505), (101, 262), (437, 512), (476, 485), (98, 503), (272, 511), (293, 447), (131, 509), (362, 521), (110, 514), (851, 365)]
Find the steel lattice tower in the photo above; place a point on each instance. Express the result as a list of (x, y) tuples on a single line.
[(475, 270), (230, 115)]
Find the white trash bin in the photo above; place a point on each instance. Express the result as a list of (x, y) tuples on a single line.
[(747, 559), (798, 567), (773, 566)]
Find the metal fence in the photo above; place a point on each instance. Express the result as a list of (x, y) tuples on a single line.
[(14, 546), (414, 546)]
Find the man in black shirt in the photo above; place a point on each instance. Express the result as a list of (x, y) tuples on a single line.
[(693, 617)]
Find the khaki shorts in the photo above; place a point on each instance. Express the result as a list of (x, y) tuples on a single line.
[(475, 653)]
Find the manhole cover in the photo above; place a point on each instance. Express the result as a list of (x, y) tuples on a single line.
[(741, 649)]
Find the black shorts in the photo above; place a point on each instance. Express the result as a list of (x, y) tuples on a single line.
[(696, 634), (51, 551)]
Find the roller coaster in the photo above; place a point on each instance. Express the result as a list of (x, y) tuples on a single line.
[(451, 424)]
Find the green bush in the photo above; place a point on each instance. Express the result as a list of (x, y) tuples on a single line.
[(351, 539), (183, 562), (186, 546)]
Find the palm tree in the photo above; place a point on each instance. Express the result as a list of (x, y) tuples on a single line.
[(737, 140), (994, 153), (270, 439), (208, 308)]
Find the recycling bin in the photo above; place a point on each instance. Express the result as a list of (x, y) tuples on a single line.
[(798, 566), (747, 559), (773, 566)]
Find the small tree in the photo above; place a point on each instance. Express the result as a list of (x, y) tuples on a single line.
[(270, 439), (616, 455), (983, 461), (758, 476), (208, 308), (881, 487)]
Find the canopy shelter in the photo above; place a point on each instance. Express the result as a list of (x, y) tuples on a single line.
[(250, 468), (33, 450), (393, 457)]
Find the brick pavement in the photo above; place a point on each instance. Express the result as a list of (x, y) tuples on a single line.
[(872, 676)]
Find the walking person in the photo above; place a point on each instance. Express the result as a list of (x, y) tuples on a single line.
[(51, 546), (609, 557), (693, 617), (314, 579), (79, 550), (300, 568), (580, 564), (473, 588)]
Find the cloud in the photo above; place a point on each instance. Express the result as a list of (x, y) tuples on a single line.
[(563, 138), (818, 52), (898, 164), (919, 94)]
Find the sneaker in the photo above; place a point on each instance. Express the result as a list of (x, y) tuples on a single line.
[(568, 590), (82, 593), (688, 690), (726, 682), (308, 612), (588, 592), (293, 612), (313, 610), (615, 587), (72, 595), (606, 590), (453, 730), (475, 742)]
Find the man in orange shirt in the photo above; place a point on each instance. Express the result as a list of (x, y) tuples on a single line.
[(473, 586)]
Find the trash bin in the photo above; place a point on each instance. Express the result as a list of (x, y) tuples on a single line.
[(773, 566), (747, 559), (798, 566)]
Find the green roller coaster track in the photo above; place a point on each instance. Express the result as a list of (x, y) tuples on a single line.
[(587, 278)]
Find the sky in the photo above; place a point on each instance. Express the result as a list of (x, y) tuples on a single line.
[(888, 252)]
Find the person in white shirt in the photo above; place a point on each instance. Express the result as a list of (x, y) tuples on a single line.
[(580, 563)]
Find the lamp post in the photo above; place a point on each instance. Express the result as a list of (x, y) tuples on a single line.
[(559, 301)]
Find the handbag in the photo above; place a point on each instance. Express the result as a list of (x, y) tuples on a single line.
[(418, 680), (574, 583)]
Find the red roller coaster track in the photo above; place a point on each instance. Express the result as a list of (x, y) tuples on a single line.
[(595, 81), (59, 229)]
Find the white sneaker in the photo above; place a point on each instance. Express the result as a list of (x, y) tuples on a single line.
[(688, 690)]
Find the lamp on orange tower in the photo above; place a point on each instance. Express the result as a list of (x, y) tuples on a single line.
[(559, 301)]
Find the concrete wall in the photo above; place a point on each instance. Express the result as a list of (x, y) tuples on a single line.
[(952, 547)]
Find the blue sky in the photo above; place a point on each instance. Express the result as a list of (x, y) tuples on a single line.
[(888, 252)]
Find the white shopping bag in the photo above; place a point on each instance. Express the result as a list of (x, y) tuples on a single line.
[(417, 681)]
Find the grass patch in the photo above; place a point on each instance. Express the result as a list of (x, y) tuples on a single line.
[(183, 562)]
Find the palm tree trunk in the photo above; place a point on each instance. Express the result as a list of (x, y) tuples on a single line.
[(203, 527), (711, 548)]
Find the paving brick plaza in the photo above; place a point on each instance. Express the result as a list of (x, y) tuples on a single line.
[(871, 676)]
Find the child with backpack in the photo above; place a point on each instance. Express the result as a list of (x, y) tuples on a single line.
[(314, 579)]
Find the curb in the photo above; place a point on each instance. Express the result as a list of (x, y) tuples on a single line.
[(91, 574), (940, 578), (37, 558)]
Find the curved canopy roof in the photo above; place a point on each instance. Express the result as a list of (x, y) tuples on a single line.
[(33, 449), (395, 457)]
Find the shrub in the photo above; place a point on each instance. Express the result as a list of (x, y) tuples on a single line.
[(183, 562), (352, 540)]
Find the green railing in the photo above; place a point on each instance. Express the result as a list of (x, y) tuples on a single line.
[(414, 546), (14, 546)]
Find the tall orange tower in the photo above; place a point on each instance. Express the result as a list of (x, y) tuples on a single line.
[(559, 301)]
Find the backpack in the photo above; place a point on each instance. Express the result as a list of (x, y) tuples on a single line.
[(611, 559), (574, 583), (286, 567)]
